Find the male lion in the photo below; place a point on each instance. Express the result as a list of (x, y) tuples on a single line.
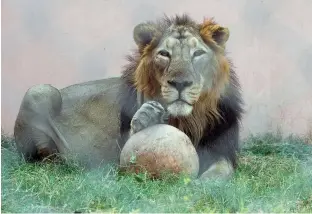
[(179, 75)]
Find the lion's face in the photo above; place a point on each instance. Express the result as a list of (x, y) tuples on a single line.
[(181, 63), (187, 68)]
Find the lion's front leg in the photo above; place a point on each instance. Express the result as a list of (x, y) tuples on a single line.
[(149, 114), (218, 154), (221, 169)]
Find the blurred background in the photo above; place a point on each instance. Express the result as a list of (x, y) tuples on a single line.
[(65, 42)]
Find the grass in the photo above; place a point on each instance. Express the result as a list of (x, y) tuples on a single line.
[(274, 175)]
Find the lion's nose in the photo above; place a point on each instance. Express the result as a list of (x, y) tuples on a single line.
[(180, 85)]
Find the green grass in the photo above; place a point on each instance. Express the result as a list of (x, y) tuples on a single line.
[(274, 175)]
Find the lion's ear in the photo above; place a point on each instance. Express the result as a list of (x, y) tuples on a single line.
[(144, 33), (220, 34)]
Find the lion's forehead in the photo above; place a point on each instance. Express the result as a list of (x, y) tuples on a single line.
[(181, 39), (172, 42)]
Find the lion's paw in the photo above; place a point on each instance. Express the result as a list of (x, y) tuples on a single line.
[(220, 170), (150, 113)]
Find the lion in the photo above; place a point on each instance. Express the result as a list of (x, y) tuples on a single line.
[(179, 74)]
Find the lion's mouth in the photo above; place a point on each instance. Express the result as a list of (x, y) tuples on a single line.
[(180, 101), (179, 107)]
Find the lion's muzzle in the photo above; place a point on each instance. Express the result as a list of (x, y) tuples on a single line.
[(180, 96), (180, 85)]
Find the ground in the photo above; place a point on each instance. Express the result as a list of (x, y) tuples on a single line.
[(274, 175)]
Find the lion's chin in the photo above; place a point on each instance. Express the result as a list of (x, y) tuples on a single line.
[(179, 108)]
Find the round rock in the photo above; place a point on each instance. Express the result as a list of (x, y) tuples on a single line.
[(157, 149)]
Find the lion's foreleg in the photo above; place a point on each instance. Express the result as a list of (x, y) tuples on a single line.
[(149, 114), (218, 158), (220, 169)]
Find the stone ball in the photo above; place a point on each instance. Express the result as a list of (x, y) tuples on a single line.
[(160, 149)]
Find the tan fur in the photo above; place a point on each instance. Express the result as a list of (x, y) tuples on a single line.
[(207, 32), (144, 78)]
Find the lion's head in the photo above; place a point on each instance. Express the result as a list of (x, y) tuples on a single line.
[(182, 64)]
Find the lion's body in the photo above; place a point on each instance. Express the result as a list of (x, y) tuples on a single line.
[(180, 69), (88, 121)]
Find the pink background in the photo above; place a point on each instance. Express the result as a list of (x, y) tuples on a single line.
[(62, 42)]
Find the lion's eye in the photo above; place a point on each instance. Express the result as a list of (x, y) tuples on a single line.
[(164, 53), (198, 53)]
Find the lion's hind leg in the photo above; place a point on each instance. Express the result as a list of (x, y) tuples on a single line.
[(34, 145), (33, 131)]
